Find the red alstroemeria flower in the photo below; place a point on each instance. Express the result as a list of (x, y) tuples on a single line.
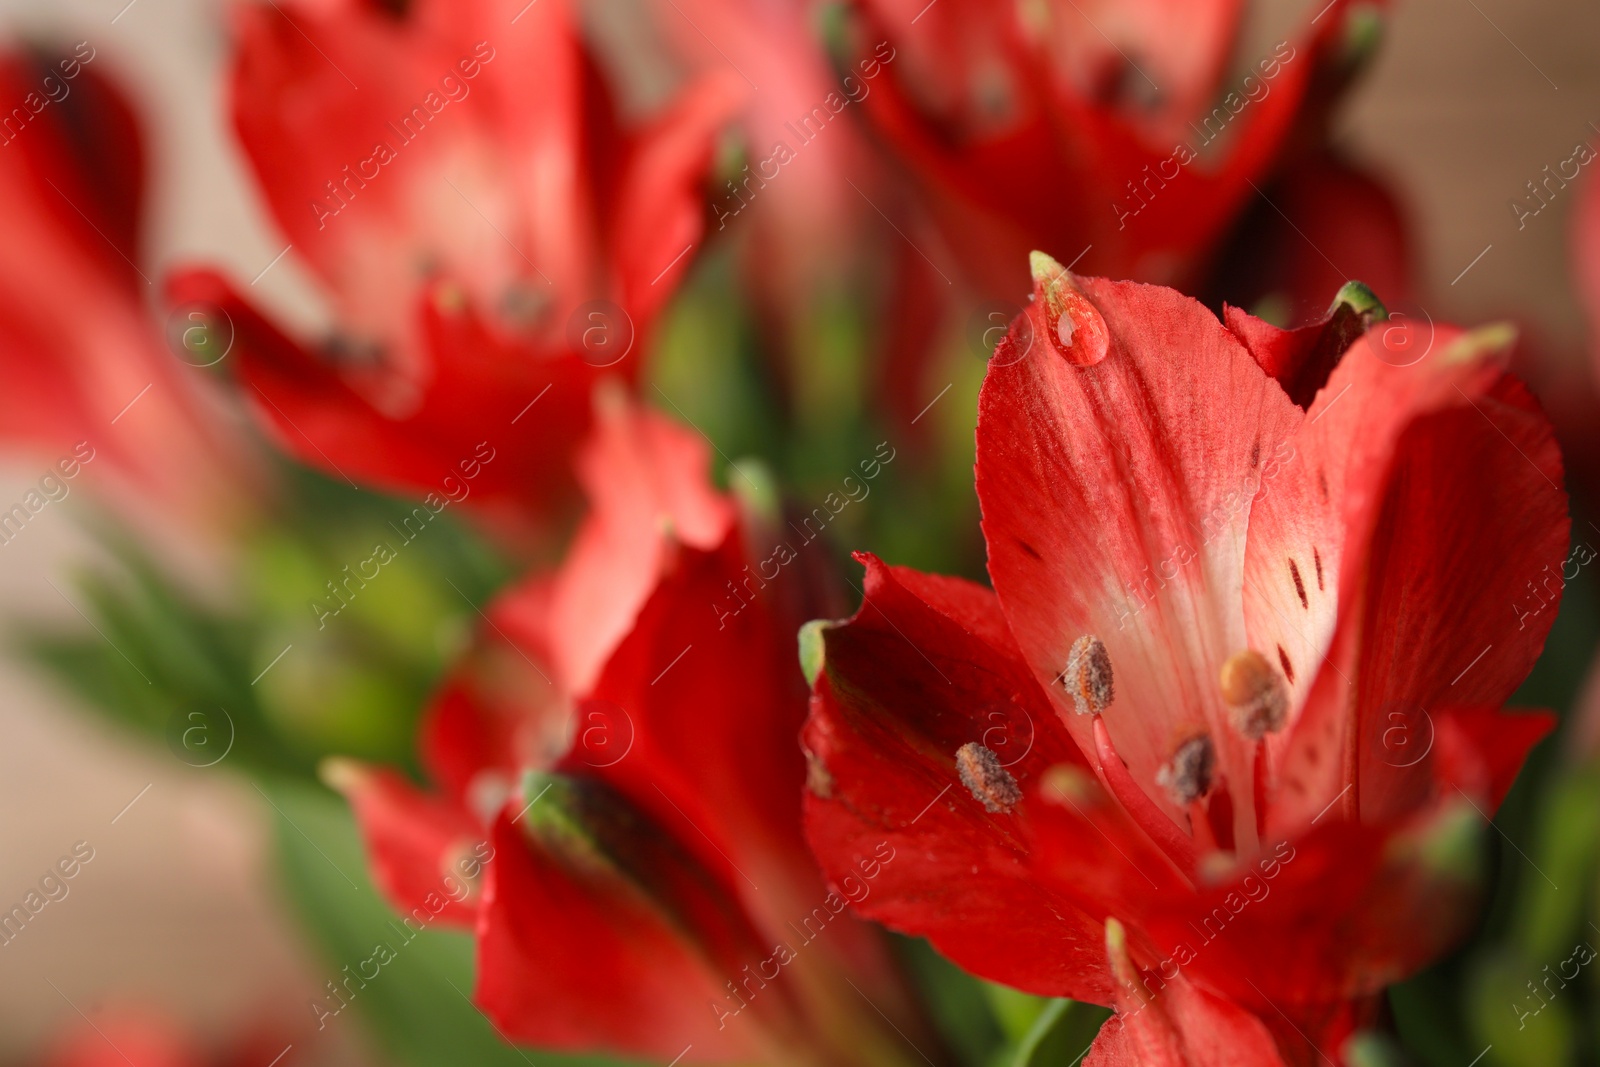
[(88, 381), (1107, 127), (491, 239), (618, 759), (797, 207), (1211, 749)]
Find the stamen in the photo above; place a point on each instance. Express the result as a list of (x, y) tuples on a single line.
[(988, 781), (1256, 694), (1187, 776), (1087, 677)]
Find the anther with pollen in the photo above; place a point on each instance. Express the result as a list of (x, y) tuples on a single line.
[(1256, 694), (988, 781), (1187, 776), (1087, 677)]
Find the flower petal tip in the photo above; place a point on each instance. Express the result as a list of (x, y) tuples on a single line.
[(1369, 1049), (1045, 268), (342, 775), (1360, 298), (812, 652), (1486, 343), (1364, 25)]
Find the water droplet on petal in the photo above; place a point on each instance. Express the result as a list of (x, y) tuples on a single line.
[(1073, 323)]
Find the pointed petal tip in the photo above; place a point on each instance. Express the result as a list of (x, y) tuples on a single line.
[(1494, 341), (1364, 26), (1370, 1049), (342, 775), (1045, 268), (1360, 298), (812, 655), (1116, 939), (1122, 967)]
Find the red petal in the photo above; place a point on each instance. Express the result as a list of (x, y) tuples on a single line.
[(318, 88), (1346, 909), (1302, 359), (496, 716), (924, 668), (1115, 499), (1168, 1022), (1433, 484), (526, 414), (89, 148), (509, 704), (714, 701), (660, 211), (647, 479), (706, 699), (575, 956), (424, 853), (1000, 116), (1482, 749), (80, 352)]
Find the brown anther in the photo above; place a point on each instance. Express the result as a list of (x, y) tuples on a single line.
[(1187, 776), (1087, 676), (988, 781), (1256, 694)]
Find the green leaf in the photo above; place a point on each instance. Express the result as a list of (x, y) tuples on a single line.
[(954, 1001), (1061, 1033)]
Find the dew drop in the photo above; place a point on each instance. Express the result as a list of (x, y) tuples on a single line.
[(1065, 330), (1074, 324)]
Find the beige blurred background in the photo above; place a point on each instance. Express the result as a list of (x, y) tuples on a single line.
[(179, 905)]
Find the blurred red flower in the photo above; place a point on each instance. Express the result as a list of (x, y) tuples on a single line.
[(491, 237), (88, 379), (1213, 749), (1097, 126), (625, 744), (143, 1037)]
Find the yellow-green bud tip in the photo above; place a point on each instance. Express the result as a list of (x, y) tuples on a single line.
[(1045, 268), (1362, 300), (811, 649), (1485, 343)]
